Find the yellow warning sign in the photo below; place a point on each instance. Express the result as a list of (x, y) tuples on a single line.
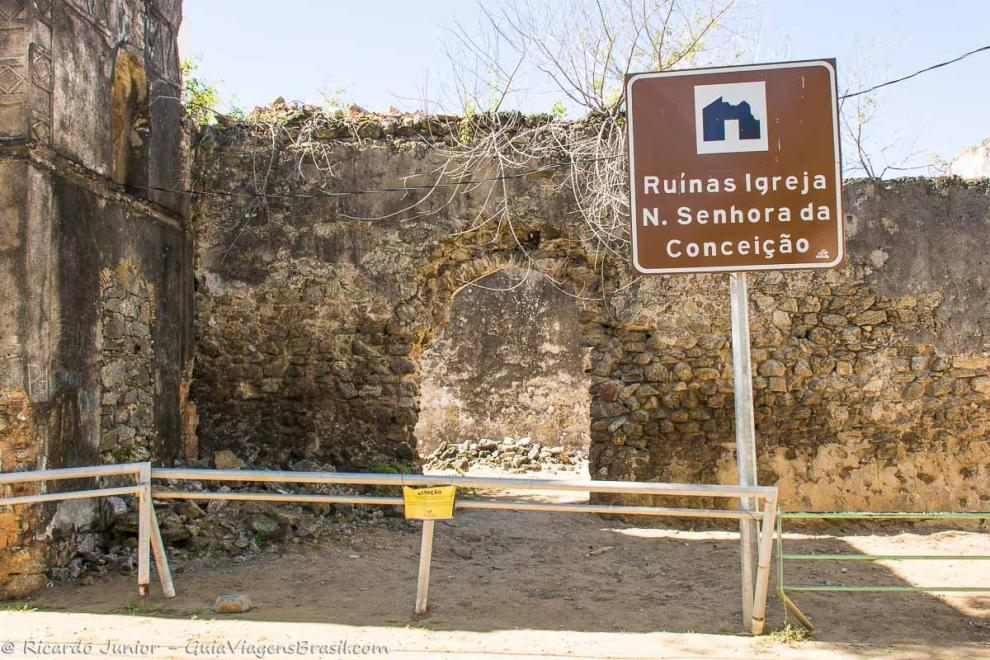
[(433, 503)]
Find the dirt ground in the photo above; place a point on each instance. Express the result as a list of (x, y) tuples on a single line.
[(531, 584)]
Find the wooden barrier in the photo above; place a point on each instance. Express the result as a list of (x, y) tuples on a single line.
[(765, 494), (149, 533)]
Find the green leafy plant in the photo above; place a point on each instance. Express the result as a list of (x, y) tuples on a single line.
[(17, 606), (334, 99), (199, 96), (393, 467)]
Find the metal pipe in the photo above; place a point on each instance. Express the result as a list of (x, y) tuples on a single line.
[(157, 546), (70, 495), (742, 371), (273, 497), (867, 515), (789, 605), (425, 557), (796, 611), (161, 557), (461, 504), (830, 587), (70, 473), (609, 508), (365, 479), (887, 557), (892, 515), (144, 531)]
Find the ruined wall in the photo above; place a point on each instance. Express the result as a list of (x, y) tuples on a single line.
[(22, 552), (871, 384), (509, 362), (316, 308), (127, 416), (313, 309), (95, 266)]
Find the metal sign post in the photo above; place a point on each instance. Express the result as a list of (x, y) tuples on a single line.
[(742, 372), (736, 169)]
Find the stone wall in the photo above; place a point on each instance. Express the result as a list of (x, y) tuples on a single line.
[(22, 562), (127, 415), (318, 311), (313, 310), (509, 362), (871, 386), (84, 234)]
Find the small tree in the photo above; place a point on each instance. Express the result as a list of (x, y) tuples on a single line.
[(867, 150), (199, 96)]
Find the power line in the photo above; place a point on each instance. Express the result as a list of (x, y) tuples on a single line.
[(916, 73)]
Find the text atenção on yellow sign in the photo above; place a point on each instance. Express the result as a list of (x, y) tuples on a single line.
[(431, 503)]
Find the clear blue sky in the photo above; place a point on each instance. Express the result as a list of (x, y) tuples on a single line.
[(383, 52)]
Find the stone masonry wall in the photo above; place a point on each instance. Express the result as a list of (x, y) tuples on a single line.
[(23, 561), (127, 415), (871, 385), (315, 309)]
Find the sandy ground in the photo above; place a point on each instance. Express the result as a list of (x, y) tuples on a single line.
[(530, 584)]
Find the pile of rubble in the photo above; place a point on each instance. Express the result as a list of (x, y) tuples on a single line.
[(238, 529), (515, 455)]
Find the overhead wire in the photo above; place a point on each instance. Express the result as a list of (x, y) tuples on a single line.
[(916, 73)]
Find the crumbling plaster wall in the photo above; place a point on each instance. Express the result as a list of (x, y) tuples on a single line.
[(71, 240), (315, 309), (509, 362)]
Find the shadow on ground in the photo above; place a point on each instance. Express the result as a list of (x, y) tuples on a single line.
[(503, 570)]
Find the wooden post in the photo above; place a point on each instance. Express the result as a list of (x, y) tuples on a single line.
[(763, 566), (158, 550), (742, 371), (144, 529), (425, 556)]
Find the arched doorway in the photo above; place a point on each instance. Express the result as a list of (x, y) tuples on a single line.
[(508, 363)]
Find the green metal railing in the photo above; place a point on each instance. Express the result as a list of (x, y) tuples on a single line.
[(783, 588)]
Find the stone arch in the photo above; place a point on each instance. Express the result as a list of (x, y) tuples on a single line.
[(130, 120), (641, 409), (457, 264)]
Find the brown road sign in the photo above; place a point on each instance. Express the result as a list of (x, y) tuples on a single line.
[(735, 168)]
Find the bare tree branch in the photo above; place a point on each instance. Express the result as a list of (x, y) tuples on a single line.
[(582, 50)]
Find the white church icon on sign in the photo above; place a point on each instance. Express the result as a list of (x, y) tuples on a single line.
[(731, 118)]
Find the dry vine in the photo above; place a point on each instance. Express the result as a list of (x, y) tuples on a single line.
[(580, 51), (576, 50)]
